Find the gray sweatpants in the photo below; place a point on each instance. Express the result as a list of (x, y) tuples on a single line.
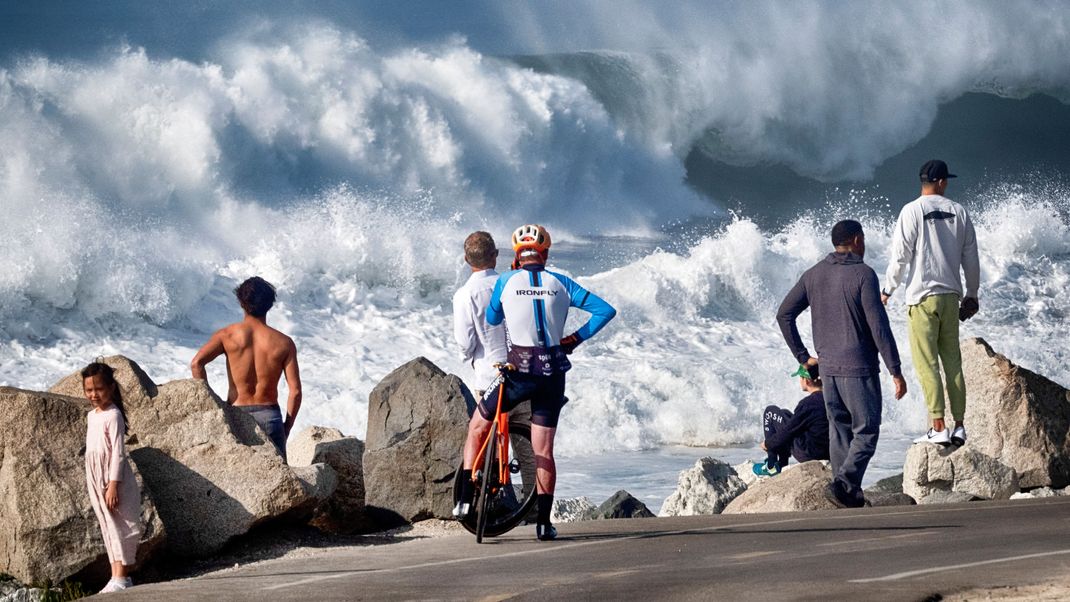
[(853, 405)]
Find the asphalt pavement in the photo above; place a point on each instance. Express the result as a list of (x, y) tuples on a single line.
[(896, 553)]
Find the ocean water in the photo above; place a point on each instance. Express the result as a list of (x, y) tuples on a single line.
[(143, 176)]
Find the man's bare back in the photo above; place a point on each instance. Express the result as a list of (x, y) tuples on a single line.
[(256, 358)]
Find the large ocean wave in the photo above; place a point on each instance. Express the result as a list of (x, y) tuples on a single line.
[(164, 169)]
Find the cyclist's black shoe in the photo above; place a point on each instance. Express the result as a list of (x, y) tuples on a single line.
[(461, 510), (468, 493), (545, 532)]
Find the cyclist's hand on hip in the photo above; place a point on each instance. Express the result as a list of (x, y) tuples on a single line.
[(569, 343)]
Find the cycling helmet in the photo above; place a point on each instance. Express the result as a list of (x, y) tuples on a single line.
[(531, 236)]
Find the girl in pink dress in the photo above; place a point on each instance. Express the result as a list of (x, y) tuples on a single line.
[(113, 490)]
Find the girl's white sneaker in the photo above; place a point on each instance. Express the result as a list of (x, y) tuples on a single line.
[(116, 585)]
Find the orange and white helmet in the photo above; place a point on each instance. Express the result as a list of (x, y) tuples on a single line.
[(531, 236)]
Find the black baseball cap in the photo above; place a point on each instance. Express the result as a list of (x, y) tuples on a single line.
[(934, 171)]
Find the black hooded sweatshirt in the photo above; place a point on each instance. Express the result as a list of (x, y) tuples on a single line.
[(807, 431)]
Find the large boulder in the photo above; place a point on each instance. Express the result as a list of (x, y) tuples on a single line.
[(799, 489), (211, 470), (622, 505), (48, 530), (343, 511), (932, 473), (417, 423), (705, 488), (1017, 417)]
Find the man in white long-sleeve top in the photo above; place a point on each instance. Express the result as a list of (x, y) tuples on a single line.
[(933, 241), (482, 345)]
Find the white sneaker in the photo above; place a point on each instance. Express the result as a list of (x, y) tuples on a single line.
[(937, 437), (461, 510), (958, 436), (116, 586)]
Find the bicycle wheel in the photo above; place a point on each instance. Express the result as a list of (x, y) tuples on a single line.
[(488, 485), (513, 502)]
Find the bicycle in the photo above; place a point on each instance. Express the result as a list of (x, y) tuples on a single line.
[(503, 473)]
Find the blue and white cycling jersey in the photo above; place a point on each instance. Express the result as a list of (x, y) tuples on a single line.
[(534, 303)]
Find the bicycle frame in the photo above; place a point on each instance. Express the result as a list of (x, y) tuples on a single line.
[(499, 432)]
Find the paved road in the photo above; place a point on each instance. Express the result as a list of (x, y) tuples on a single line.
[(901, 553)]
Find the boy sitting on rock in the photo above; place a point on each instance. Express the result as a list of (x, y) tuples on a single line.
[(803, 434)]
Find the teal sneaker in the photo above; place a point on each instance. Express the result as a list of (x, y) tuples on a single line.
[(764, 470)]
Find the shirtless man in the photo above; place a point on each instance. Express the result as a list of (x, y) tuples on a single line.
[(257, 356)]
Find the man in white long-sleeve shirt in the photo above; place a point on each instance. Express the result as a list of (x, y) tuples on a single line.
[(933, 240), (482, 345)]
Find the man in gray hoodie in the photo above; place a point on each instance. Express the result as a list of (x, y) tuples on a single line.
[(850, 327)]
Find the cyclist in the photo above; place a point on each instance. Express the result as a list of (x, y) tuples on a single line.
[(534, 304)]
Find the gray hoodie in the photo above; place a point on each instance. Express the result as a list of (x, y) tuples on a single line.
[(849, 322)]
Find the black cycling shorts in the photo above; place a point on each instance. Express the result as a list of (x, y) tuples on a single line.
[(546, 393)]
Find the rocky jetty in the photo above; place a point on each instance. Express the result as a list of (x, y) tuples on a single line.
[(209, 474)]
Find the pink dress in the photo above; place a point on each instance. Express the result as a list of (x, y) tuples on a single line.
[(105, 460)]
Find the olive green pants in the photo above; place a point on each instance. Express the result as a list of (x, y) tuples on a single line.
[(934, 340)]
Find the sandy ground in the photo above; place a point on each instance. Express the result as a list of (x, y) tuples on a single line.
[(1056, 591)]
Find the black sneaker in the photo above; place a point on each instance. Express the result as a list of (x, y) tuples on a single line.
[(545, 532), (841, 499)]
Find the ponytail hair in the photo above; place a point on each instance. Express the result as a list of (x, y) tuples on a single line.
[(99, 368)]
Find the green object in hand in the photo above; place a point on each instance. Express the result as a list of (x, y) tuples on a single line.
[(802, 372)]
